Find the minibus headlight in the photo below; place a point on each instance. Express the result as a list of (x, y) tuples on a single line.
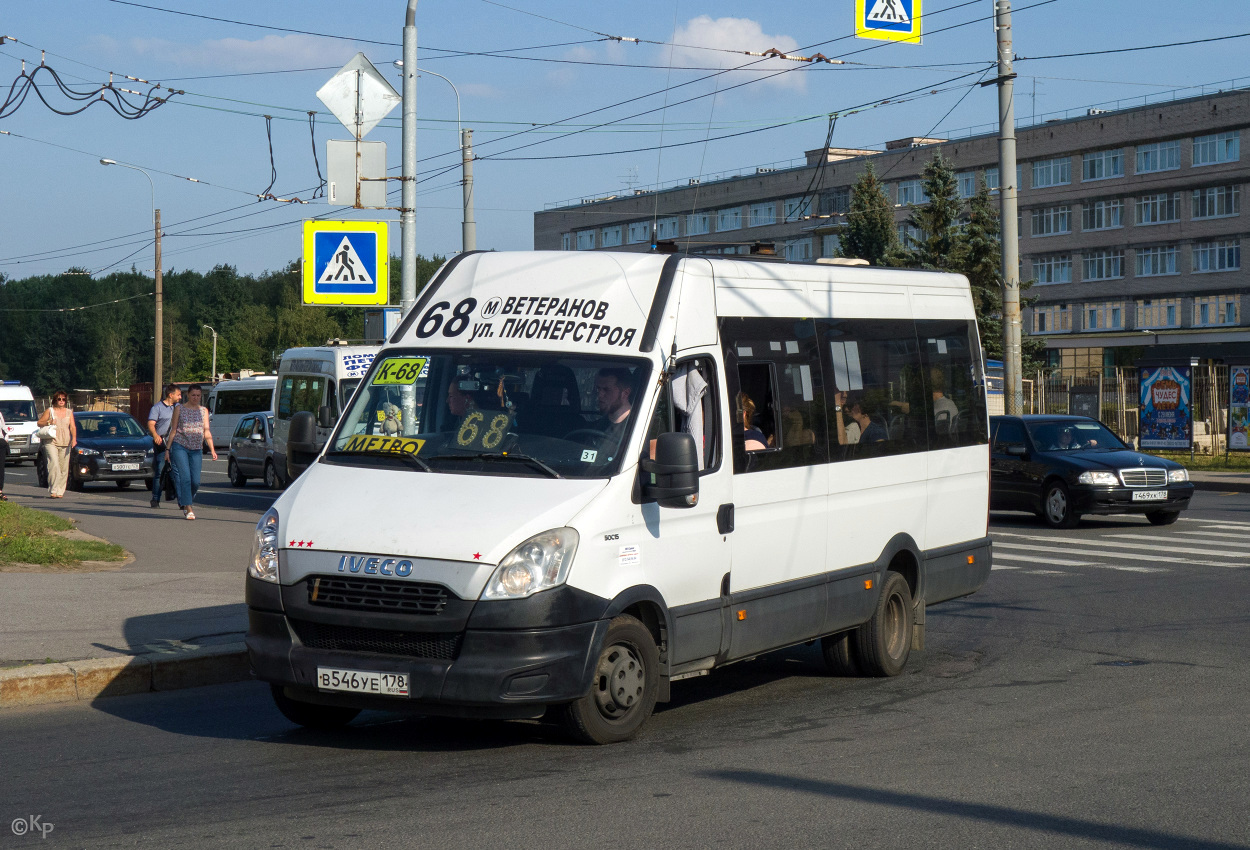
[(1108, 478), (264, 561), (539, 563), (1178, 476)]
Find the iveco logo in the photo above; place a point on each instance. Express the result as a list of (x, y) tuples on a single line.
[(491, 308)]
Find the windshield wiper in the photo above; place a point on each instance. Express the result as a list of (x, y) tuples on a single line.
[(409, 458), (524, 458)]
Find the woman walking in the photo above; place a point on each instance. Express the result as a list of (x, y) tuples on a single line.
[(186, 448), (57, 452), (4, 454)]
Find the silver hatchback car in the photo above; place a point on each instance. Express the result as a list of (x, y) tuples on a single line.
[(251, 451)]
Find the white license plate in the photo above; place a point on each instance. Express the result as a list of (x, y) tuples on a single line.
[(362, 682), (1150, 495), (125, 467)]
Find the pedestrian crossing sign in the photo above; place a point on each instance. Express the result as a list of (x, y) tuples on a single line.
[(345, 263), (888, 20)]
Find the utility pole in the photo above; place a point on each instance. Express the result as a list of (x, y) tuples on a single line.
[(213, 378), (159, 365), (468, 229), (1012, 354), (408, 178)]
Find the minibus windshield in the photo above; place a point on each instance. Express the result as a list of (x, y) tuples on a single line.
[(492, 413)]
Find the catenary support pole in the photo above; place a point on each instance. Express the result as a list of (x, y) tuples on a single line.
[(1012, 351), (408, 202), (468, 230), (159, 362)]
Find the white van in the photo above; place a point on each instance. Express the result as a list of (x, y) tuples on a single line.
[(309, 379), (230, 401), (17, 406), (630, 469)]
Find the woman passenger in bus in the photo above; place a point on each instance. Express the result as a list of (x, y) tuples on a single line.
[(865, 430), (754, 438)]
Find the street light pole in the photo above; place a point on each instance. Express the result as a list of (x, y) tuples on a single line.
[(213, 378), (1013, 389), (408, 179), (158, 360)]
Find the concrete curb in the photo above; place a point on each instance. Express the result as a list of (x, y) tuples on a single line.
[(42, 684), (1239, 484)]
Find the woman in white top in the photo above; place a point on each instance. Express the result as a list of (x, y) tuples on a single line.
[(57, 451)]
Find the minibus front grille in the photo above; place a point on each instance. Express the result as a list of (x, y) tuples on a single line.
[(432, 645), (361, 594)]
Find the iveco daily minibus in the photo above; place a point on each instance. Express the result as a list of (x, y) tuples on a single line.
[(571, 479)]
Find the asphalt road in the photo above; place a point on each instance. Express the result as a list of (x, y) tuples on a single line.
[(1093, 694)]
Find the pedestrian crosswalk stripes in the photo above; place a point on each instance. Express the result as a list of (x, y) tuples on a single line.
[(1030, 547), (1215, 522), (1231, 536), (1149, 547), (1234, 541), (1054, 562), (1222, 544)]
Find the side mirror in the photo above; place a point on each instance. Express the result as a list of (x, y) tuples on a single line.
[(676, 471), (1017, 451), (324, 419), (301, 444)]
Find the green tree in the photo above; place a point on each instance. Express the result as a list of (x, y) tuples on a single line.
[(937, 220), (869, 233)]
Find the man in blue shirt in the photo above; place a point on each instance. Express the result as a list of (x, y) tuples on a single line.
[(160, 419)]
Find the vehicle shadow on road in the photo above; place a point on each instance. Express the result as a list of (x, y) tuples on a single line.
[(1021, 520), (1042, 822)]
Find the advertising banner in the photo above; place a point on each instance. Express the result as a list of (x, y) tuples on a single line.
[(1239, 408), (1165, 417)]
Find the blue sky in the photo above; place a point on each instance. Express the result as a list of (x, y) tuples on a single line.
[(58, 200)]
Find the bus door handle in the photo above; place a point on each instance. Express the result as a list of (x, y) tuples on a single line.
[(725, 519)]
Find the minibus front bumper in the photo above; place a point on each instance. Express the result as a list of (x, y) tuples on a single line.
[(481, 672)]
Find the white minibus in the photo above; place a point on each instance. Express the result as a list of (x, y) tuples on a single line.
[(230, 401), (630, 469), (308, 380)]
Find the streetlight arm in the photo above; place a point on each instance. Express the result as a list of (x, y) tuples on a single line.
[(151, 184)]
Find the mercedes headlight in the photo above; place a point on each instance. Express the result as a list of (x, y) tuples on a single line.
[(1098, 478), (264, 561), (539, 563), (1178, 476)]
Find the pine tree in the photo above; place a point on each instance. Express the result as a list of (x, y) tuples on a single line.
[(869, 233), (937, 219)]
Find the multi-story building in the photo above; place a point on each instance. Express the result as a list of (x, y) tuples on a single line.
[(1130, 222)]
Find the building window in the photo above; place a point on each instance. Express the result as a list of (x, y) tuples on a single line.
[(1220, 256), (698, 223), (796, 208), (1217, 202), (967, 183), (585, 240), (1108, 316), (1102, 165), (1052, 172), (1215, 310), (1056, 269), (1159, 313), (798, 249), (830, 245), (612, 236), (1159, 208), (1216, 148), (666, 228), (1053, 318), (1052, 220), (911, 192), (1106, 264), (1102, 215), (833, 203), (991, 179), (566, 241), (762, 214), (639, 231), (1160, 156), (1156, 260), (908, 235), (729, 219)]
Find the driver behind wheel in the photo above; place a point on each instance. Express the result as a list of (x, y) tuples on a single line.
[(614, 396)]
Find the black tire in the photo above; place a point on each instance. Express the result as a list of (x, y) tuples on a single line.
[(123, 483), (237, 479), (271, 476), (883, 644), (1057, 509), (74, 484), (839, 654), (1163, 517), (311, 715), (625, 687)]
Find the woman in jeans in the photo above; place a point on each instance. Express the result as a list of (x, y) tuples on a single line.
[(57, 452), (186, 448)]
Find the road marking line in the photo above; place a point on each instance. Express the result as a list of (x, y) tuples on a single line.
[(1057, 562), (1001, 567), (1220, 534), (1044, 572), (1110, 544), (1245, 545), (1230, 523), (1103, 553)]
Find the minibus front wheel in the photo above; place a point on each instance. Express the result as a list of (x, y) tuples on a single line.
[(623, 693), (311, 715)]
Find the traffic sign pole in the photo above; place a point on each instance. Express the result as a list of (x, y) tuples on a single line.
[(408, 202)]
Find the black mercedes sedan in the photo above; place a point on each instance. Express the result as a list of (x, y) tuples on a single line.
[(112, 446), (1060, 467)]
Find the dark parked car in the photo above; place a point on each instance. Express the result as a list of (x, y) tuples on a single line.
[(111, 447), (251, 451), (1060, 467)]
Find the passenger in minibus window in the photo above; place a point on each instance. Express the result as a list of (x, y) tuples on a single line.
[(753, 437), (459, 402), (862, 429)]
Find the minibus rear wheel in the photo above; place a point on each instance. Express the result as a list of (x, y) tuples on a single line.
[(625, 687), (883, 644), (839, 654), (311, 715)]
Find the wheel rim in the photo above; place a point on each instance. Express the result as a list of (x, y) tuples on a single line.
[(895, 626), (269, 476), (619, 681), (1057, 505)]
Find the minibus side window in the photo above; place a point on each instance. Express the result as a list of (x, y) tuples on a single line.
[(688, 404), (954, 382)]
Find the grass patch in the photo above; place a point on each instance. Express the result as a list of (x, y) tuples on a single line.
[(29, 536), (1236, 461)]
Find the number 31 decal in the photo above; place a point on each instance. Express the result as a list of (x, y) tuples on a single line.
[(433, 319)]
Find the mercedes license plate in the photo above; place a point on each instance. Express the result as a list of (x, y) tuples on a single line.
[(125, 467), (1150, 495), (362, 682)]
